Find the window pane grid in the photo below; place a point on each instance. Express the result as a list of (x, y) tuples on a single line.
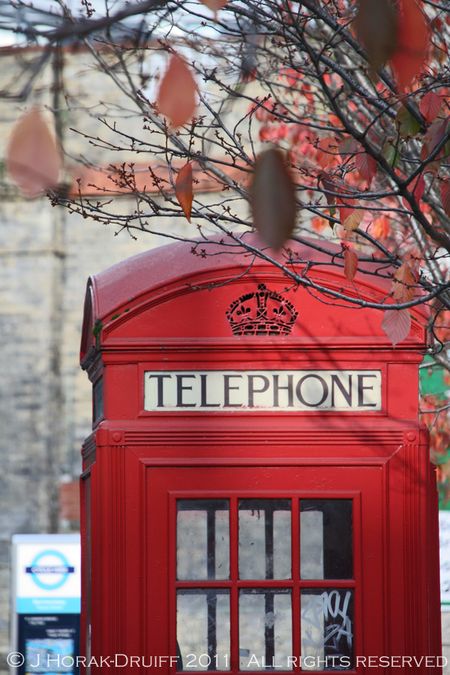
[(333, 636)]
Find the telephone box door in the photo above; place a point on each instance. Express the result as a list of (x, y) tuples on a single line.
[(265, 568)]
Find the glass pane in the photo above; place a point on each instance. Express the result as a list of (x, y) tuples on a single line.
[(327, 629), (326, 535), (265, 629), (265, 539), (203, 541), (203, 629)]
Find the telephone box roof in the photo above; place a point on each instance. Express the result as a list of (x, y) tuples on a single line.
[(152, 272)]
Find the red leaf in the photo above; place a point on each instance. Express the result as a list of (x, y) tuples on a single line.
[(273, 198), (418, 187), (430, 106), (376, 29), (214, 5), (350, 264), (445, 196), (366, 166), (32, 158), (396, 324), (183, 189), (436, 132), (413, 38), (177, 93)]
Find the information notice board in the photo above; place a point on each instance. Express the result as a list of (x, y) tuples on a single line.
[(45, 604)]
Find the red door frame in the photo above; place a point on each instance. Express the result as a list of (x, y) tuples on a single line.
[(165, 486)]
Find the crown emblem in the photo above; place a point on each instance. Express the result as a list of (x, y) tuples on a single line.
[(263, 312)]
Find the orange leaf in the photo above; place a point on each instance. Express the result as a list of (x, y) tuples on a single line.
[(376, 29), (318, 224), (430, 106), (413, 38), (403, 284), (381, 227), (273, 198), (177, 93), (396, 324), (183, 189), (33, 160), (350, 263)]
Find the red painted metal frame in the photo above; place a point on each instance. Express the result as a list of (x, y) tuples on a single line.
[(295, 583), (148, 316), (167, 546)]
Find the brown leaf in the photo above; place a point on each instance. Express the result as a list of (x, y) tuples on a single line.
[(376, 29), (273, 202), (403, 284), (328, 185), (413, 37), (33, 160), (183, 189), (350, 217), (350, 263), (396, 324), (177, 93), (430, 106)]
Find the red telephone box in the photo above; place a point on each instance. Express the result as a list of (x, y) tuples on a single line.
[(257, 492)]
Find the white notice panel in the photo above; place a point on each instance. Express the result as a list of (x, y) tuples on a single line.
[(297, 390)]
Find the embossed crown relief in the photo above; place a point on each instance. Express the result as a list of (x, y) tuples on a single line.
[(262, 312)]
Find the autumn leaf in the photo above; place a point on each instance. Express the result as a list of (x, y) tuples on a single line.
[(326, 151), (408, 125), (214, 5), (319, 224), (403, 283), (430, 106), (350, 263), (434, 136), (350, 217), (177, 93), (366, 166), (413, 36), (33, 160), (273, 201), (396, 324), (328, 185), (183, 189), (376, 29), (445, 196), (418, 187)]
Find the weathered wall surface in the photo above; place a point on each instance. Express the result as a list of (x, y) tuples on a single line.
[(45, 410)]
